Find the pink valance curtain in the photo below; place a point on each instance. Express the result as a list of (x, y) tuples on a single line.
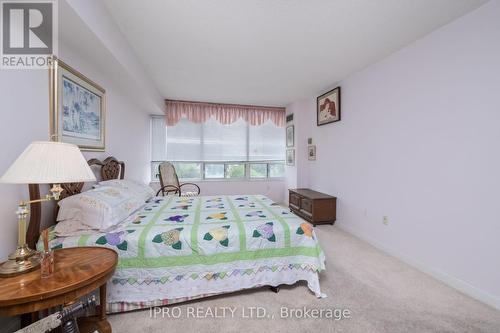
[(199, 112)]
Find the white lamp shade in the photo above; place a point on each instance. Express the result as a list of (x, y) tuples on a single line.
[(46, 162)]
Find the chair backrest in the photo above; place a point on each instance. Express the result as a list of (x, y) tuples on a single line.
[(168, 176)]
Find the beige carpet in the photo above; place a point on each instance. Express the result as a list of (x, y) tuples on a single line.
[(382, 293)]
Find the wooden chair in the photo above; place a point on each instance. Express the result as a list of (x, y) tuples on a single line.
[(169, 182)]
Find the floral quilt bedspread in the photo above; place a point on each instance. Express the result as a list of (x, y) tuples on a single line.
[(174, 236)]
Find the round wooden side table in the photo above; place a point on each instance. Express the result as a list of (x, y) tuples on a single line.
[(78, 272)]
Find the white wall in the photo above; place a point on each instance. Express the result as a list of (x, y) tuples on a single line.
[(296, 175), (291, 170), (101, 26), (24, 111), (24, 107), (24, 118), (419, 142), (127, 124)]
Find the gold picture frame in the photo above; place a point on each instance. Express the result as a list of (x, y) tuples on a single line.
[(77, 108)]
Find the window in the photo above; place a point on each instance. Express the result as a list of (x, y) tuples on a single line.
[(276, 170), (188, 170), (235, 170), (211, 150), (214, 171), (258, 170)]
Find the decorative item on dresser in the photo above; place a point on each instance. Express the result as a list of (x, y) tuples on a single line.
[(315, 207)]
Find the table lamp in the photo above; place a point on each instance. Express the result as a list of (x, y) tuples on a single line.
[(43, 162)]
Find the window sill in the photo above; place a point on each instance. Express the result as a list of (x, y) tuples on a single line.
[(225, 180)]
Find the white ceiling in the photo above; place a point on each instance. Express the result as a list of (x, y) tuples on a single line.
[(270, 52), (94, 53)]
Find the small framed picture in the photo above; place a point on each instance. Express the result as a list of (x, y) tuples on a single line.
[(328, 107), (290, 157), (289, 136), (309, 141), (311, 153)]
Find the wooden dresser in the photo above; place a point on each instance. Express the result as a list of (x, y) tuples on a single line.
[(315, 207)]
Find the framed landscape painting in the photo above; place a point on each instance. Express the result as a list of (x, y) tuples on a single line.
[(78, 108), (290, 157), (328, 107), (290, 136)]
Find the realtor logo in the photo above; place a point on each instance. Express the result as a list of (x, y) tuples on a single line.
[(28, 33)]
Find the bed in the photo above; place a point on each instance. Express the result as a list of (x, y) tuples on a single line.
[(175, 248)]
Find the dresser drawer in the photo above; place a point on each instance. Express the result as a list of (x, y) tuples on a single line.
[(306, 204), (294, 200)]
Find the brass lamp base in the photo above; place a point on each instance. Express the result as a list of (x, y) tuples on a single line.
[(23, 260)]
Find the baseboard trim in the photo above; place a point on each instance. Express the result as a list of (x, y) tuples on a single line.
[(444, 277)]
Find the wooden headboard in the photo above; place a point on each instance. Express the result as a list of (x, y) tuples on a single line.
[(111, 168)]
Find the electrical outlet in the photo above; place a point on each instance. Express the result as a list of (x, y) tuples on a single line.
[(385, 220)]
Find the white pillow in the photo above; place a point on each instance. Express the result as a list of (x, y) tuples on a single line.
[(100, 208), (142, 190), (69, 228), (72, 227)]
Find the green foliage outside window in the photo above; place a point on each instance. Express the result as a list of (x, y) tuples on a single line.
[(235, 170)]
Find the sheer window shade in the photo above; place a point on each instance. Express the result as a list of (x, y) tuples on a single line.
[(184, 141), (212, 141), (266, 142), (224, 142), (158, 138)]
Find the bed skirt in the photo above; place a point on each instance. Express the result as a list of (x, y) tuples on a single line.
[(145, 295)]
